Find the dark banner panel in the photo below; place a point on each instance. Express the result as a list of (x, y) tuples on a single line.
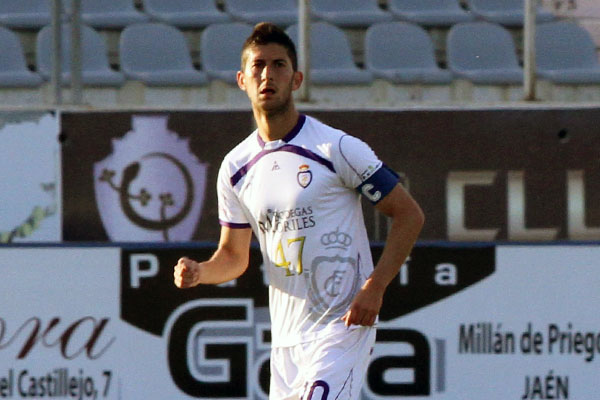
[(145, 177), (231, 321), (480, 175)]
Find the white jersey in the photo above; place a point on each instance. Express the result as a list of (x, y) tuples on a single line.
[(301, 197)]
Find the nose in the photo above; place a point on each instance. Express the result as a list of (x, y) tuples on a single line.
[(266, 73)]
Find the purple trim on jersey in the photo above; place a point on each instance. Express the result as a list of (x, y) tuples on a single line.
[(315, 385), (290, 148), (344, 156), (234, 225), (379, 184), (291, 134)]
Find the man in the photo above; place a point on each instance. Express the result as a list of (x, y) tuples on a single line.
[(296, 184)]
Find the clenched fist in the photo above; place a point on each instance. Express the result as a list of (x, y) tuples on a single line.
[(187, 273)]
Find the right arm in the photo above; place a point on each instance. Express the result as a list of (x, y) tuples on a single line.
[(229, 261)]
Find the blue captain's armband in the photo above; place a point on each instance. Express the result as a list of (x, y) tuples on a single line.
[(378, 185)]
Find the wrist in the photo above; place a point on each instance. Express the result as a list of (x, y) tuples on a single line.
[(375, 285), (198, 274)]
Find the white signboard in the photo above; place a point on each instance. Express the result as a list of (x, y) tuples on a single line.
[(529, 331), (59, 325), (30, 181), (107, 323)]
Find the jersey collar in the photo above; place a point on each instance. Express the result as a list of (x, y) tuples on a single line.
[(290, 135)]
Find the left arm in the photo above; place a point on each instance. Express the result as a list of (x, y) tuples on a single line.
[(407, 221)]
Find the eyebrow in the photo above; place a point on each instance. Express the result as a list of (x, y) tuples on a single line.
[(263, 60)]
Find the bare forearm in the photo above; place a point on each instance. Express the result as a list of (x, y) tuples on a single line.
[(227, 263), (221, 267), (407, 221), (401, 239)]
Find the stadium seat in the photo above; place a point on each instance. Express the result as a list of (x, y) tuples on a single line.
[(505, 12), (483, 52), (279, 12), (349, 13), (108, 14), (430, 12), (330, 56), (566, 53), (25, 14), (402, 52), (158, 55), (185, 13), (95, 70), (220, 47), (13, 69)]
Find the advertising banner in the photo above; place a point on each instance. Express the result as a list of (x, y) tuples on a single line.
[(30, 180), (145, 177), (458, 322), (479, 175), (59, 325)]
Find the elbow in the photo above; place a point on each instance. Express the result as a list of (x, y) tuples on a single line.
[(416, 218), (419, 217)]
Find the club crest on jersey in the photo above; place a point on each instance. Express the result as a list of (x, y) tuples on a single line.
[(304, 176), (333, 278)]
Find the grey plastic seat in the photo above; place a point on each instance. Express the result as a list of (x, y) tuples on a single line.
[(221, 46), (25, 14), (330, 56), (13, 69), (349, 13), (505, 12), (566, 53), (483, 52), (402, 52), (158, 55), (108, 14), (279, 12), (430, 12), (185, 13), (95, 69)]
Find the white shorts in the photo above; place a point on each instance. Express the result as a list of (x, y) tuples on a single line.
[(328, 369)]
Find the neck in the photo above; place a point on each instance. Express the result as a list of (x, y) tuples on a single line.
[(275, 126)]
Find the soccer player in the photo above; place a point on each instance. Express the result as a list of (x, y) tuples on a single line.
[(296, 183)]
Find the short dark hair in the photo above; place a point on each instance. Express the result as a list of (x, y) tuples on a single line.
[(266, 33)]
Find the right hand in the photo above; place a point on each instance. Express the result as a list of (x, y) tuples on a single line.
[(187, 273)]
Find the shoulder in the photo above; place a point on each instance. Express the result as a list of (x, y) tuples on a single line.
[(323, 131), (242, 152), (340, 140), (323, 139)]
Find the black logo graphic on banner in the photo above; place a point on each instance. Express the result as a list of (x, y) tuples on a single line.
[(217, 338), (433, 273), (151, 187), (130, 173)]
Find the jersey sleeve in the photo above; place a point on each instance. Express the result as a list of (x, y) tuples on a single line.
[(361, 169), (231, 213)]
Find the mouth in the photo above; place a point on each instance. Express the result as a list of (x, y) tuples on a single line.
[(267, 91)]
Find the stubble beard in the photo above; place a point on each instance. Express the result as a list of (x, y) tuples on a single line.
[(279, 108)]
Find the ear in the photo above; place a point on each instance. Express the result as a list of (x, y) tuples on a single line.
[(241, 80), (297, 80)]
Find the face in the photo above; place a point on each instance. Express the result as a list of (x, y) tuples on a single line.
[(268, 78)]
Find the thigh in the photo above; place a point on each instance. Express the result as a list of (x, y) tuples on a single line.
[(336, 367), (286, 380)]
